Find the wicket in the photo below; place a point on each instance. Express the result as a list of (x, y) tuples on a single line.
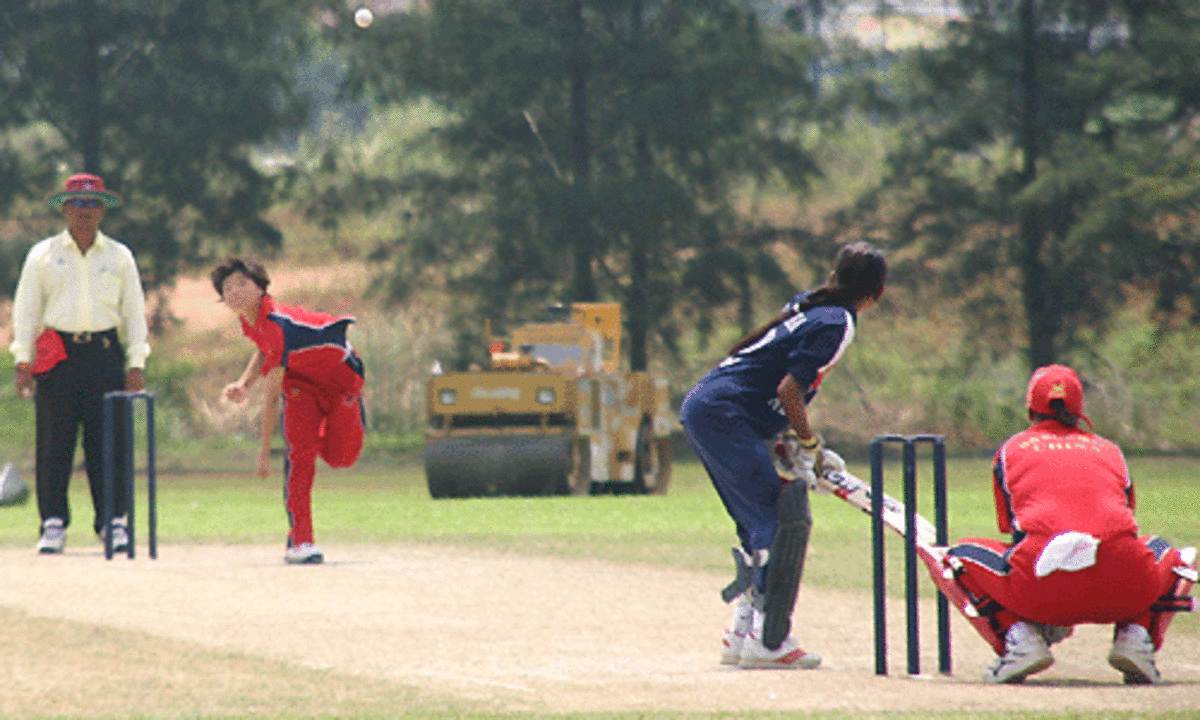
[(127, 401), (909, 463)]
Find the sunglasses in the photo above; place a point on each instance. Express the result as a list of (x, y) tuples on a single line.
[(81, 203)]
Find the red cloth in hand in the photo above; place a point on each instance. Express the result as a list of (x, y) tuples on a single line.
[(50, 352)]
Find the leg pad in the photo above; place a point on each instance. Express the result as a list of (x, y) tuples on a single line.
[(785, 565)]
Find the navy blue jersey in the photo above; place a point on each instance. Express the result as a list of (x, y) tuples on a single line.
[(806, 346)]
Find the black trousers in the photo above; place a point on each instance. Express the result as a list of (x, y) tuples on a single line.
[(70, 395)]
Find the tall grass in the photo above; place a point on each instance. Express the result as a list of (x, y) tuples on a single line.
[(399, 346)]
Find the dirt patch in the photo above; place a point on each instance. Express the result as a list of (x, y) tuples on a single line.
[(513, 632)]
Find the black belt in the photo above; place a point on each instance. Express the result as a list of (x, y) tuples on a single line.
[(85, 338)]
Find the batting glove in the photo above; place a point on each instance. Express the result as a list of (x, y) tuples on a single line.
[(793, 461), (826, 461), (811, 450)]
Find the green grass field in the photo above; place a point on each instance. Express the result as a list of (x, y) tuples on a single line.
[(686, 528)]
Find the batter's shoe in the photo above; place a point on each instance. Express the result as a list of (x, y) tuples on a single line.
[(1025, 653), (735, 636), (787, 656), (304, 554), (1133, 654), (120, 541), (54, 537)]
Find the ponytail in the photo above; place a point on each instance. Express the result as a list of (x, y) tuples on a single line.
[(1060, 414), (860, 272), (758, 334)]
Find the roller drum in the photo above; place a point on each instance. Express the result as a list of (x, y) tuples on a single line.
[(501, 465)]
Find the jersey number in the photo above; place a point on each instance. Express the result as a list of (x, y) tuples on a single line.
[(790, 325)]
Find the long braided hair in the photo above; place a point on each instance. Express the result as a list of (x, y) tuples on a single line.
[(860, 271)]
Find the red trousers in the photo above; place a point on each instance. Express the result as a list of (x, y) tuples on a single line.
[(315, 423), (1130, 574)]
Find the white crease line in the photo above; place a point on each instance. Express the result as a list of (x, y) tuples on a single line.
[(480, 681)]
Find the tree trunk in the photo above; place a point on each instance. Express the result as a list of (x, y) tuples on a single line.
[(89, 96), (583, 284), (637, 302), (1039, 315)]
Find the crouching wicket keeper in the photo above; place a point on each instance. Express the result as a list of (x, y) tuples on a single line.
[(305, 357), (1076, 557)]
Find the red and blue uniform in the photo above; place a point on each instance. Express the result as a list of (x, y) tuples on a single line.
[(734, 408), (1053, 482), (322, 397)]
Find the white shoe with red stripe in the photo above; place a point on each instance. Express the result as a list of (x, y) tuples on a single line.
[(788, 656)]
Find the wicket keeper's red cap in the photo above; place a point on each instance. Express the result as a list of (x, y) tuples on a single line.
[(84, 185), (1051, 382)]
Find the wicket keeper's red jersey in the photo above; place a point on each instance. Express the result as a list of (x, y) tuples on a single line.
[(1052, 478), (310, 345)]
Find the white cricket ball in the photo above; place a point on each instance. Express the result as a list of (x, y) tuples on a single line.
[(363, 17)]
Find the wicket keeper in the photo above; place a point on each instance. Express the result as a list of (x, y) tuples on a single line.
[(304, 357), (1066, 496)]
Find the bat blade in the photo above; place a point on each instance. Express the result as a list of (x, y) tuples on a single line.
[(857, 492)]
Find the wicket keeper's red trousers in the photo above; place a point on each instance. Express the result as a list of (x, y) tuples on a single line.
[(315, 423), (1129, 575)]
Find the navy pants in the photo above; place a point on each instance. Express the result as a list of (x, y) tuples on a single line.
[(739, 464)]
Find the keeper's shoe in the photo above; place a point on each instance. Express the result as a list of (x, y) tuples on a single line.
[(1025, 653), (304, 554), (735, 636), (1133, 654), (54, 537)]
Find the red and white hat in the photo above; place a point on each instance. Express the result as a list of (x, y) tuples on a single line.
[(84, 185), (1051, 382)]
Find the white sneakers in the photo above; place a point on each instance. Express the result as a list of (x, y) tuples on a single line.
[(304, 554), (54, 537), (742, 644), (1133, 654), (120, 541), (788, 655), (1025, 652), (731, 644)]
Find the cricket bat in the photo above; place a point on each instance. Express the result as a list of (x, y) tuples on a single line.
[(857, 492)]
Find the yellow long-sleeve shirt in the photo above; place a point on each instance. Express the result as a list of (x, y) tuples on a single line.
[(64, 289)]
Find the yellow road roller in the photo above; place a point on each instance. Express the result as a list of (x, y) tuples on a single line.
[(552, 414)]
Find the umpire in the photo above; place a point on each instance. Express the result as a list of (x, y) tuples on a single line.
[(79, 330)]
